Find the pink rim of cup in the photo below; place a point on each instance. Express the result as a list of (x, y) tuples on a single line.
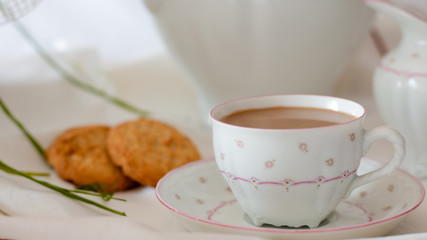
[(290, 95)]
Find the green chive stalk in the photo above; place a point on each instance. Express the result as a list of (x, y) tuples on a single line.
[(66, 192), (72, 79), (33, 141)]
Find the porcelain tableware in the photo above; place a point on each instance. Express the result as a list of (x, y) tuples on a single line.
[(201, 200), (400, 81), (296, 177), (261, 46)]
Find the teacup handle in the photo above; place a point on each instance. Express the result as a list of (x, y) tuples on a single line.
[(370, 137)]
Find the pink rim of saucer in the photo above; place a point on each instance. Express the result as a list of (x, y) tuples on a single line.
[(272, 230), (288, 95)]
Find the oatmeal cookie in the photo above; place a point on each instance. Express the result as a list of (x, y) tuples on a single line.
[(147, 149), (80, 156)]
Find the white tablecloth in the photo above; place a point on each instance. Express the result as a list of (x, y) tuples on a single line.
[(150, 79)]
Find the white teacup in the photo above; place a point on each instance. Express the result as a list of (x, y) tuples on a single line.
[(296, 177)]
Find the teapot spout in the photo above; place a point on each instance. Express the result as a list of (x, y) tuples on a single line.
[(154, 5)]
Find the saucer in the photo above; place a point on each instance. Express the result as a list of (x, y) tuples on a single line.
[(199, 197)]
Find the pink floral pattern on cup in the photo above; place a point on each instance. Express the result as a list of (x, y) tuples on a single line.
[(303, 147), (329, 162), (239, 143), (270, 163), (287, 182)]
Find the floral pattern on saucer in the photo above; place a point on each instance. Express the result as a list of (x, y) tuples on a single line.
[(199, 196)]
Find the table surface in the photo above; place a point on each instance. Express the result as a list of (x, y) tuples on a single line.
[(149, 78)]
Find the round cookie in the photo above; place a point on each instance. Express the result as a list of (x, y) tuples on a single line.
[(147, 149), (80, 156)]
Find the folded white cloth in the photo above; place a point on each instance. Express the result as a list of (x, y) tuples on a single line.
[(93, 228), (39, 213)]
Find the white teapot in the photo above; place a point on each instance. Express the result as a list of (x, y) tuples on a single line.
[(238, 48), (400, 81)]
